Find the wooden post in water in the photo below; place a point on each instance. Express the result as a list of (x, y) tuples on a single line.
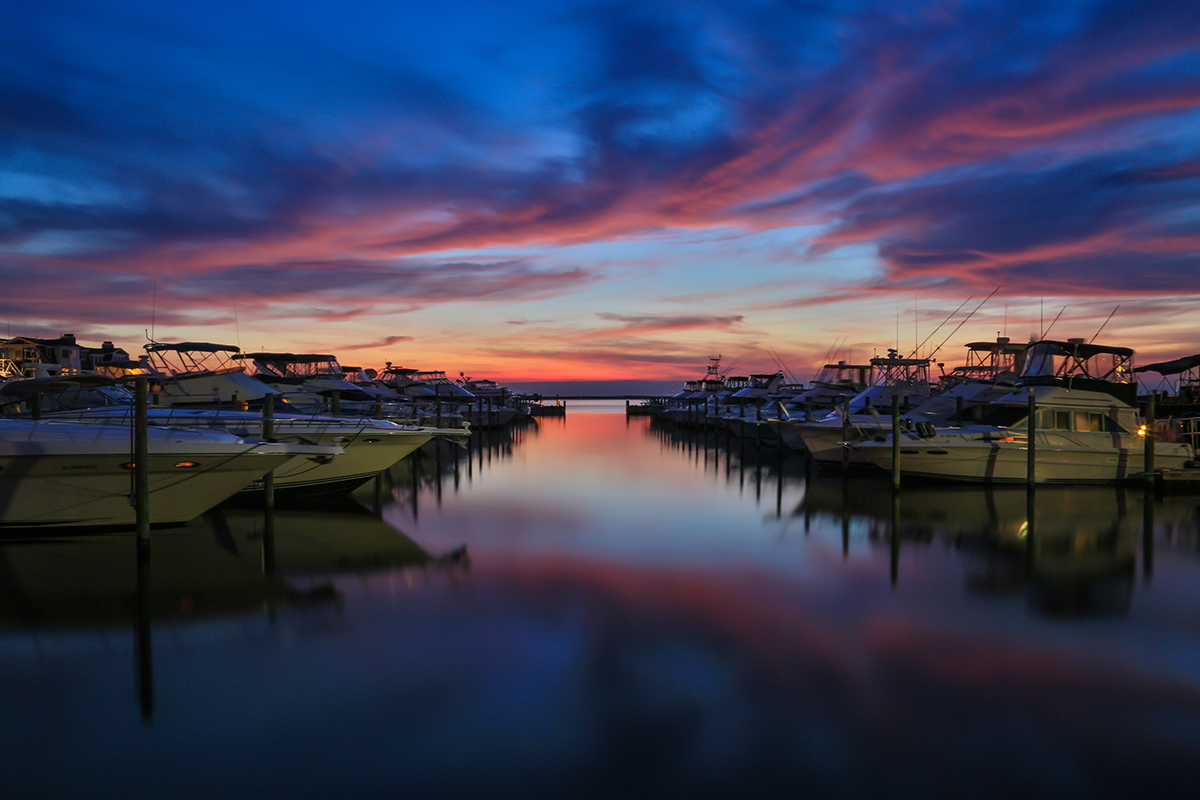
[(335, 401), (1030, 526), (895, 441), (1148, 532), (145, 656), (895, 542), (845, 432), (268, 433), (1031, 450), (1148, 442), (141, 464), (958, 410)]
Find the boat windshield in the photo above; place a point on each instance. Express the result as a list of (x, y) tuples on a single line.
[(1006, 417), (74, 399)]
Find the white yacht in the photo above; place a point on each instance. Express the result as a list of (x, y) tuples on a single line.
[(203, 373), (370, 445), (1086, 428), (65, 474), (906, 378)]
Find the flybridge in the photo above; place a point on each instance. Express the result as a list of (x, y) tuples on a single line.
[(177, 358), (1077, 364), (296, 365)]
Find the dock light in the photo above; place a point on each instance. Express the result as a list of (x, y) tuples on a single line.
[(128, 465), (1141, 431), (187, 464)]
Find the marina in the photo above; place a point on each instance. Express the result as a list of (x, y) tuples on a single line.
[(599, 605), (600, 400)]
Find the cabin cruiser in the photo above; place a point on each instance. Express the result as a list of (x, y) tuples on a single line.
[(69, 474), (904, 378), (1086, 427), (319, 377), (439, 400), (494, 405), (369, 446), (989, 373), (204, 374), (833, 383), (690, 404)]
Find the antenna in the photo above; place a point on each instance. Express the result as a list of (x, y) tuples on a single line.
[(237, 330), (916, 352), (782, 366), (1110, 316), (981, 302), (1046, 332), (153, 309)]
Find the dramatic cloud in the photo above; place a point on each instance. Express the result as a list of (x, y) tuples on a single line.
[(658, 323), (386, 159)]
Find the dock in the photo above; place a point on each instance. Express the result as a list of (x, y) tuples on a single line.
[(558, 409), (1174, 481), (649, 408)]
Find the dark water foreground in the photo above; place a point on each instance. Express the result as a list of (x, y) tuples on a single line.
[(641, 613)]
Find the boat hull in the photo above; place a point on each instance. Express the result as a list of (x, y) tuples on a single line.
[(368, 447), (48, 482), (1055, 460)]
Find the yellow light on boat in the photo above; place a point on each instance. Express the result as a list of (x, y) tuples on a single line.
[(1141, 430), (187, 464), (128, 465)]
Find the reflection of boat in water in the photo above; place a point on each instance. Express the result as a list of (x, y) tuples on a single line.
[(212, 567), (1073, 549), (86, 580), (999, 511), (315, 541)]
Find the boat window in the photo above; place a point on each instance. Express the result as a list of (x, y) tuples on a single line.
[(1005, 417)]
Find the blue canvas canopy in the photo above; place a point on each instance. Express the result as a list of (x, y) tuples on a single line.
[(1172, 367)]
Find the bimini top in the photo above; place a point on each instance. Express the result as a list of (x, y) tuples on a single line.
[(1084, 350), (1172, 367), (59, 383), (196, 347), (1002, 344), (287, 358)]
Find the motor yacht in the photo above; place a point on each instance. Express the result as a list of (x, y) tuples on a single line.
[(370, 445), (205, 374), (71, 474), (905, 378), (1086, 427)]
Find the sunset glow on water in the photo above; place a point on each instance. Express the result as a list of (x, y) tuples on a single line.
[(642, 612)]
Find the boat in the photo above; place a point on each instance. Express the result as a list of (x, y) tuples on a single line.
[(204, 374), (319, 378), (904, 378), (1086, 426), (370, 445), (57, 474)]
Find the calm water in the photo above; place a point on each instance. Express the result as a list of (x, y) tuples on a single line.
[(641, 613)]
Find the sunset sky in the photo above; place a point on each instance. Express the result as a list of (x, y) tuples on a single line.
[(572, 190)]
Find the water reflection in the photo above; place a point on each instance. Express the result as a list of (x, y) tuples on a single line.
[(1072, 550), (643, 613)]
